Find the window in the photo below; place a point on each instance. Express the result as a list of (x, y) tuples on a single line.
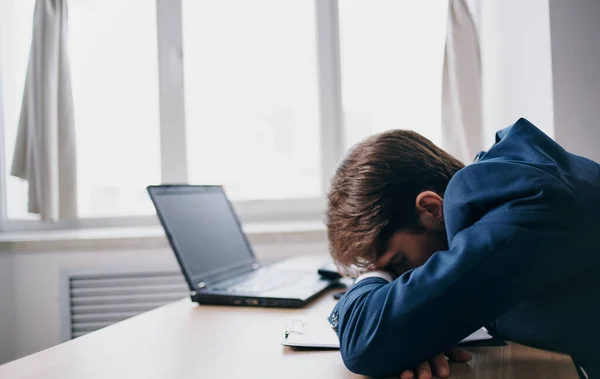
[(395, 83), (272, 94), (251, 97), (114, 70)]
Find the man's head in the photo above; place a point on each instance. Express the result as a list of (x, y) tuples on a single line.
[(385, 205)]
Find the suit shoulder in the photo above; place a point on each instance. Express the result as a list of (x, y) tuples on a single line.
[(524, 142), (504, 190)]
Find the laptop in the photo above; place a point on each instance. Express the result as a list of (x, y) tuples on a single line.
[(216, 258)]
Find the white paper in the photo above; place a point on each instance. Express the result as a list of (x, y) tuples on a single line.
[(478, 335)]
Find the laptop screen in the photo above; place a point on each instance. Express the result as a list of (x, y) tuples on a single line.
[(204, 230)]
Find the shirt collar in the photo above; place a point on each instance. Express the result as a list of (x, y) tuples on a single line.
[(375, 274)]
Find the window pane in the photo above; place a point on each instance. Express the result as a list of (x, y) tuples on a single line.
[(392, 57), (114, 64), (15, 37), (251, 96)]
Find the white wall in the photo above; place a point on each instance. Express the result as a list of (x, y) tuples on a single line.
[(35, 323), (575, 28), (37, 285), (7, 309), (516, 64)]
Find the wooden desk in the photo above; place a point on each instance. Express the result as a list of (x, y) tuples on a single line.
[(183, 340)]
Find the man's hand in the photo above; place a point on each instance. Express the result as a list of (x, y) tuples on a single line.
[(440, 365)]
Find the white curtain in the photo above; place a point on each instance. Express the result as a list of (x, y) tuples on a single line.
[(45, 148), (462, 118)]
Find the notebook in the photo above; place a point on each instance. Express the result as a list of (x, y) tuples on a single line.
[(316, 332)]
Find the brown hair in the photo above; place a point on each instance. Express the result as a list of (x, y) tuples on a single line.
[(373, 194)]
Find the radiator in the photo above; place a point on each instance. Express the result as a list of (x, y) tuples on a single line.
[(99, 299)]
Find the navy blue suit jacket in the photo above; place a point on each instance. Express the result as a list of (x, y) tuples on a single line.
[(523, 226)]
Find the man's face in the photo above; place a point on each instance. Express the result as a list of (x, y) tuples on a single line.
[(407, 250)]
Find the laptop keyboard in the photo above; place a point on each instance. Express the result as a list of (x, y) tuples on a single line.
[(258, 283)]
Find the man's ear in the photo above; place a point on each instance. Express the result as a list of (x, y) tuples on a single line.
[(385, 260), (430, 206)]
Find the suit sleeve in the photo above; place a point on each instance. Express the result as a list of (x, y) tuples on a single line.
[(519, 237)]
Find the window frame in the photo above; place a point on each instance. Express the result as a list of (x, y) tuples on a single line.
[(173, 143)]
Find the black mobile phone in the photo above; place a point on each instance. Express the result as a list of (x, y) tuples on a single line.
[(338, 295), (329, 271)]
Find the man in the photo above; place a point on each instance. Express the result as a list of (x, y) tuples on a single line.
[(511, 242)]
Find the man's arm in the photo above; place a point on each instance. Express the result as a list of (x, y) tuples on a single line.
[(521, 235)]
